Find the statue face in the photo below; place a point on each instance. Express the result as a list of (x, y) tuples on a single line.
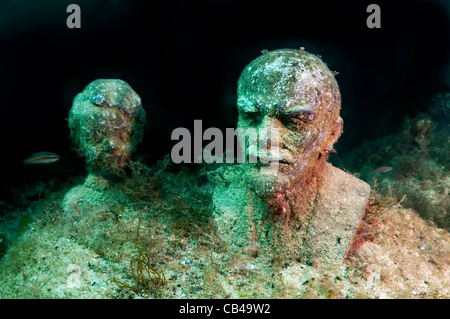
[(114, 94), (106, 123), (293, 93)]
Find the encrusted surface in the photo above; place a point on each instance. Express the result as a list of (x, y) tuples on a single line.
[(336, 215), (106, 123)]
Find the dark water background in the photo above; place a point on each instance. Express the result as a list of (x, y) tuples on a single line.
[(184, 59)]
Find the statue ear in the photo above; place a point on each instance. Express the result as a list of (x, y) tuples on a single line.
[(334, 134)]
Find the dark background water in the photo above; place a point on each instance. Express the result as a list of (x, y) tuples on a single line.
[(184, 59)]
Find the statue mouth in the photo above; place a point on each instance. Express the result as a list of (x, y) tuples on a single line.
[(268, 158)]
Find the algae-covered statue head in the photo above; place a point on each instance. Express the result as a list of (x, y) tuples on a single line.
[(106, 123), (294, 92)]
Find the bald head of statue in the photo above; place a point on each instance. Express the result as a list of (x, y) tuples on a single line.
[(293, 93)]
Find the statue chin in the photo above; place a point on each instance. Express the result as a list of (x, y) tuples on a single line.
[(278, 178)]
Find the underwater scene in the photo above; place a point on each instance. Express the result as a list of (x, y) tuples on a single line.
[(225, 149)]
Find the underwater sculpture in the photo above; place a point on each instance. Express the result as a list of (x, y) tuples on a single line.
[(319, 205), (106, 124)]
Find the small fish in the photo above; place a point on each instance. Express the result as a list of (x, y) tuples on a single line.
[(383, 169), (42, 158)]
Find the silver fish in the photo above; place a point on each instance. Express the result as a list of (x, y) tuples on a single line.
[(383, 169), (42, 158)]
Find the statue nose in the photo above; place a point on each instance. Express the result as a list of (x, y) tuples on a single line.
[(267, 131)]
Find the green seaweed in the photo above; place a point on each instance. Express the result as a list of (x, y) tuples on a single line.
[(147, 279)]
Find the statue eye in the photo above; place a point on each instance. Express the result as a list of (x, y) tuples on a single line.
[(99, 100), (291, 122), (296, 120), (304, 117), (251, 117), (301, 117)]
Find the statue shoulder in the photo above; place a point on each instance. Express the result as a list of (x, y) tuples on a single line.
[(344, 185), (340, 204)]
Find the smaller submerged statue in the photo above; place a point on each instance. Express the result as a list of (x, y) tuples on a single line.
[(310, 207), (106, 124)]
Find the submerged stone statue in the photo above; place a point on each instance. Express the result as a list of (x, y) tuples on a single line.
[(106, 124), (319, 205)]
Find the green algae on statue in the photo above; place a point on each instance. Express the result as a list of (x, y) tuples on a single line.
[(318, 205), (106, 124)]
